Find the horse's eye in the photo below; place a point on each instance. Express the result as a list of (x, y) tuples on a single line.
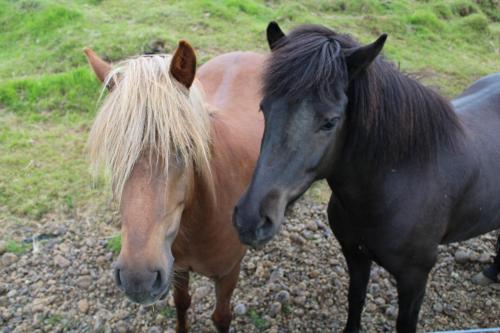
[(329, 124)]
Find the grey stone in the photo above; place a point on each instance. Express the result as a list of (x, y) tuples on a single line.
[(275, 309), (154, 329), (3, 247), (9, 258), (391, 312), (61, 261), (462, 257), (283, 297), (240, 309), (84, 281)]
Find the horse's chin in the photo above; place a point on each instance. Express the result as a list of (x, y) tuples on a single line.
[(164, 295), (262, 243), (149, 301)]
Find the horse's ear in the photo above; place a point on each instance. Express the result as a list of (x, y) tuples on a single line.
[(183, 65), (359, 58), (101, 68), (274, 34)]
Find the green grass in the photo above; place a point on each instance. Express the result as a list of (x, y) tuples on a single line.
[(53, 319), (48, 95), (17, 247), (114, 244), (260, 323), (167, 312)]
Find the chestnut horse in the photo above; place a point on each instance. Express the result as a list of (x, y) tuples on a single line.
[(180, 152)]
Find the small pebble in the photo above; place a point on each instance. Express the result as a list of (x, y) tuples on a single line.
[(3, 247), (275, 309), (283, 297), (154, 329), (83, 306), (462, 257), (391, 312), (61, 261), (240, 309), (485, 258), (8, 259), (84, 281)]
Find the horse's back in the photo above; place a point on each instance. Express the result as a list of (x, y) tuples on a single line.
[(482, 96), (479, 110), (478, 107)]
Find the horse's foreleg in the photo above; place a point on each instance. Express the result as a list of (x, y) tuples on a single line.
[(411, 290), (359, 265), (182, 300), (224, 288), (493, 270)]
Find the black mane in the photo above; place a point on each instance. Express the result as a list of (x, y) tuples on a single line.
[(390, 116)]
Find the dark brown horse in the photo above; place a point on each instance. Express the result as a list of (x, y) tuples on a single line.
[(180, 152), (408, 169)]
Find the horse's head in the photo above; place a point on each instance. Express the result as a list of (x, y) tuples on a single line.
[(304, 106), (152, 133), (151, 208)]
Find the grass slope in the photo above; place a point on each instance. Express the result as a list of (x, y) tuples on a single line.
[(48, 95)]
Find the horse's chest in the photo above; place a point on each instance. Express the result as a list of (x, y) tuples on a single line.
[(208, 268), (213, 259)]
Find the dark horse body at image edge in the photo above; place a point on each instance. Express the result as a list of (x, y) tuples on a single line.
[(408, 169)]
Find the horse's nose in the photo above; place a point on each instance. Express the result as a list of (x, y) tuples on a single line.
[(141, 285), (254, 228), (244, 226)]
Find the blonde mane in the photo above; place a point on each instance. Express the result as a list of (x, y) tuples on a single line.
[(149, 113)]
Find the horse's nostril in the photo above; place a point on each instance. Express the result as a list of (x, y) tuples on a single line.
[(267, 223), (158, 282), (118, 279), (235, 218)]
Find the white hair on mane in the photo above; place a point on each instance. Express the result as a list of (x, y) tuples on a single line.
[(150, 113)]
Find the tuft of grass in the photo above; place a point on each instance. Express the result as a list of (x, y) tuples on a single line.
[(442, 10), (463, 7), (16, 247), (425, 20), (167, 312), (491, 8), (475, 22), (114, 244), (260, 323), (53, 319)]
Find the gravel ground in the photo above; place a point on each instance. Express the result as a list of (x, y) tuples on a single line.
[(297, 283)]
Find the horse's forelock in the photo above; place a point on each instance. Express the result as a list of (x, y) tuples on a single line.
[(149, 113), (307, 61)]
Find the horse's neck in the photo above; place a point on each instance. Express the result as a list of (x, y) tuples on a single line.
[(395, 119)]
